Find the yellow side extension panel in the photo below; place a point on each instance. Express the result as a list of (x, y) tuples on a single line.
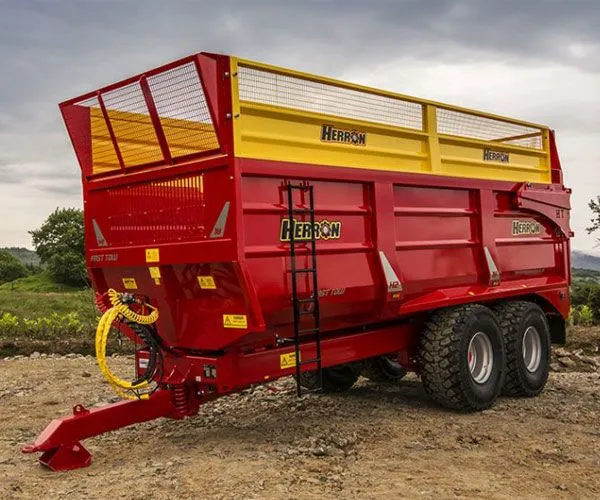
[(285, 115)]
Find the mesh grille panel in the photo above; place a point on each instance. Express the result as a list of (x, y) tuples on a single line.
[(488, 129), (181, 109), (103, 152), (298, 93), (132, 125), (156, 212)]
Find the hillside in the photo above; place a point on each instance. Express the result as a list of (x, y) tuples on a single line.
[(25, 255), (582, 260)]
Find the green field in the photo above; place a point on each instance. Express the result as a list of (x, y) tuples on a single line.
[(36, 283), (38, 315)]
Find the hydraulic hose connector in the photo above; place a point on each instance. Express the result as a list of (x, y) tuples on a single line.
[(120, 309)]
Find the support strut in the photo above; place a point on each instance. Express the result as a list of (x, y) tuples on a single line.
[(60, 441)]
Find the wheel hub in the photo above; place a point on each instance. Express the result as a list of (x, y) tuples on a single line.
[(532, 349), (480, 357)]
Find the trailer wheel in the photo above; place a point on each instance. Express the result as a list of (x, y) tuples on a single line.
[(461, 357), (527, 341), (335, 378), (383, 369)]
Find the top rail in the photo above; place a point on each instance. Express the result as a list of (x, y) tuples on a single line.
[(372, 90)]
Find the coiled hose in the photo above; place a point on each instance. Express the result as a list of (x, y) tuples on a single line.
[(118, 311)]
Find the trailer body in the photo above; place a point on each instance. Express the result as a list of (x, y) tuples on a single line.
[(417, 206)]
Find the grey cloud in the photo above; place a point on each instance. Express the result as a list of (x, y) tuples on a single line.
[(69, 189), (9, 174)]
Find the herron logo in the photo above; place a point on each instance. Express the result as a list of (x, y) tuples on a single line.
[(520, 227), (303, 231), (491, 155), (331, 134)]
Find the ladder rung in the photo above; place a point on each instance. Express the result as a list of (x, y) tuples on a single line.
[(307, 300), (309, 361), (308, 330), (305, 270), (298, 186), (306, 313), (312, 391)]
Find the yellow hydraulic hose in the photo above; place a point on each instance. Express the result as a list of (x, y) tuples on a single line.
[(122, 387)]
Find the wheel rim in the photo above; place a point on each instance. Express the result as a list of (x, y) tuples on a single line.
[(532, 349), (481, 357)]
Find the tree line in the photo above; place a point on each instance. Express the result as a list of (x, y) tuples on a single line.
[(59, 243)]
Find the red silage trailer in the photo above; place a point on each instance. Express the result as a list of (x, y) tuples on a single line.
[(246, 222)]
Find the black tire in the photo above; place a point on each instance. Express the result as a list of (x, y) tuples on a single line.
[(444, 357), (516, 318), (383, 369), (335, 378)]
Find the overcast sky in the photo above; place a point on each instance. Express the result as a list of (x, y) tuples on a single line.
[(538, 60)]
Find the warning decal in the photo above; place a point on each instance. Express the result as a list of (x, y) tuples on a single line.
[(235, 321), (207, 282), (154, 272), (287, 360), (152, 255), (130, 283)]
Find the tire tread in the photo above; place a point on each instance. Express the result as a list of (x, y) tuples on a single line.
[(440, 359), (509, 316)]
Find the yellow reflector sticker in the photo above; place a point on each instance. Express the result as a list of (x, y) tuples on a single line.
[(154, 272), (152, 255), (287, 360), (235, 321), (207, 282), (130, 283)]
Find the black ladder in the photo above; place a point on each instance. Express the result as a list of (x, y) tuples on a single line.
[(312, 301)]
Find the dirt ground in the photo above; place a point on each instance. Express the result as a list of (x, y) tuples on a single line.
[(371, 442)]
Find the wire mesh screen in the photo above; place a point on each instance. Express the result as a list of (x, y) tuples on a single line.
[(155, 212), (182, 114), (132, 125), (462, 124), (183, 111), (104, 156), (294, 92)]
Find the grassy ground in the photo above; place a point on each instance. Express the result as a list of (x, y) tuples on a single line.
[(26, 304), (40, 283), (36, 297)]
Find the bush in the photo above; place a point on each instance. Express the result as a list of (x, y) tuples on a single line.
[(586, 317), (67, 268), (59, 242), (10, 267), (55, 326), (9, 324), (581, 315)]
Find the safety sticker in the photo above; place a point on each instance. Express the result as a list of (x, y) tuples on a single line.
[(154, 272), (287, 360), (130, 283), (207, 282), (235, 321), (152, 255)]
